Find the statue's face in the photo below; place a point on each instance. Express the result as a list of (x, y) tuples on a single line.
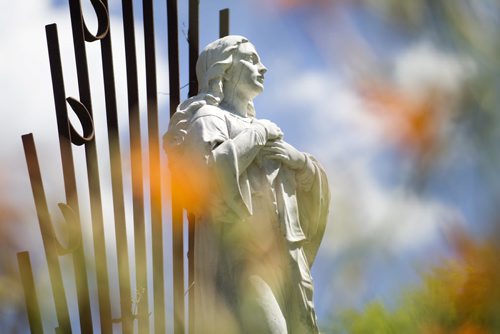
[(247, 72)]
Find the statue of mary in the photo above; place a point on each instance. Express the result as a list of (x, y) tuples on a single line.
[(260, 204)]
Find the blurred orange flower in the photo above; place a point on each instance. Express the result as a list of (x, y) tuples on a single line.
[(413, 124)]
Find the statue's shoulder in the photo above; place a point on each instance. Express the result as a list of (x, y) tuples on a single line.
[(209, 111)]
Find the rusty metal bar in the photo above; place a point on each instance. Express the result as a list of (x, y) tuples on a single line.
[(193, 39), (154, 169), (173, 55), (135, 145), (80, 267), (116, 180), (178, 261), (224, 22), (191, 287), (177, 221), (48, 235), (92, 169), (30, 296)]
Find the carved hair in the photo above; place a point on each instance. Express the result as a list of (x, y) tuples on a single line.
[(211, 68)]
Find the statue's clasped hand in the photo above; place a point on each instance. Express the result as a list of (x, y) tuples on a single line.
[(273, 131), (286, 153)]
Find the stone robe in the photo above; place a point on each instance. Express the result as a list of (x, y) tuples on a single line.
[(258, 226)]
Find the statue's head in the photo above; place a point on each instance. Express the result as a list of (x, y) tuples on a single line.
[(230, 66), (227, 67)]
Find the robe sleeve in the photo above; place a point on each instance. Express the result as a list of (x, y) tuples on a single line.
[(306, 175), (227, 158), (313, 197)]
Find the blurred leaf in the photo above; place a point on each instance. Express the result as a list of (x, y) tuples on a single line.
[(461, 295)]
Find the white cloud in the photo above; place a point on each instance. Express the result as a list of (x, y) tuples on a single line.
[(424, 69), (365, 212)]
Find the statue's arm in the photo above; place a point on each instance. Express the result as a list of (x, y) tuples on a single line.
[(241, 149), (244, 147), (302, 163), (227, 158), (209, 131)]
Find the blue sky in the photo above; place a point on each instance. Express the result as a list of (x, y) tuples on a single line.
[(382, 230)]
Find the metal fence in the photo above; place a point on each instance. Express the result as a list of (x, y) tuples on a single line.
[(133, 317)]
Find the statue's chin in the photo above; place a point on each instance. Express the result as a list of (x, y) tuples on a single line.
[(259, 87), (250, 90)]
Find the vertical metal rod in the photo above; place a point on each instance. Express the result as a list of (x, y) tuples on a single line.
[(177, 261), (92, 171), (173, 55), (135, 145), (154, 169), (69, 174), (48, 235), (177, 221), (30, 296), (191, 287), (193, 38), (116, 180), (224, 22)]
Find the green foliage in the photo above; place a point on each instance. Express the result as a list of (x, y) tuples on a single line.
[(458, 296)]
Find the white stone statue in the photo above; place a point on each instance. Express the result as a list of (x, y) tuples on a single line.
[(260, 204)]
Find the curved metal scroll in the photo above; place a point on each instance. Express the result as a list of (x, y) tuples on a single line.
[(74, 235), (86, 121), (102, 22)]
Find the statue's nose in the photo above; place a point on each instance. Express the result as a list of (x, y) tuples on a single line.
[(262, 69)]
